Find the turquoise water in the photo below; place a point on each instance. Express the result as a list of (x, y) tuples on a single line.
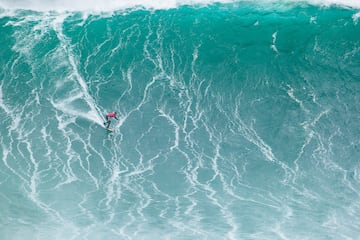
[(236, 121)]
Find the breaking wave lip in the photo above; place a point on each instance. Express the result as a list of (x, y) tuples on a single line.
[(115, 5)]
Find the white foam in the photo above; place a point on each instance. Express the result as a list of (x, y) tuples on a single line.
[(65, 108), (113, 5), (356, 17), (273, 45), (94, 114), (176, 126), (2, 104), (348, 3)]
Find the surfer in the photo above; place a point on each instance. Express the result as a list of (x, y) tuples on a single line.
[(108, 117)]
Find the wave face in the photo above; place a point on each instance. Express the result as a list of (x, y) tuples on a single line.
[(236, 121)]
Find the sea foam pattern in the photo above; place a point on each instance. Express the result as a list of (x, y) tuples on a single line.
[(236, 121)]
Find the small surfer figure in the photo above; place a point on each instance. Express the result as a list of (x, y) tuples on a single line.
[(108, 117)]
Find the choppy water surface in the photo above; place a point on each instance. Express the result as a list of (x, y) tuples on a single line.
[(237, 121)]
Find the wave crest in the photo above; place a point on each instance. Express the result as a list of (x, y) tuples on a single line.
[(115, 5)]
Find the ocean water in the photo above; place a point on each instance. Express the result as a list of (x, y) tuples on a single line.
[(237, 120)]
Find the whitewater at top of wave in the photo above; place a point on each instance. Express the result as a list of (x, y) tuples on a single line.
[(115, 5)]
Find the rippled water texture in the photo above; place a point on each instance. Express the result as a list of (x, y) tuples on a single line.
[(236, 121)]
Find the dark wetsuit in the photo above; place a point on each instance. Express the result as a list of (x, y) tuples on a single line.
[(108, 117)]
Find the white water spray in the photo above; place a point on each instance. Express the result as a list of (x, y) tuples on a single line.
[(114, 5)]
